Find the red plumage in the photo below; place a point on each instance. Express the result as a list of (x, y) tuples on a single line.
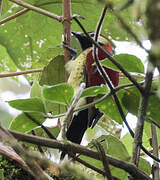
[(94, 77)]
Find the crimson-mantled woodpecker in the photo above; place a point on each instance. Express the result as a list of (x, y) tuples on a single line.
[(82, 70)]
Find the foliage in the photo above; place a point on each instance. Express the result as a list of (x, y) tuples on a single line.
[(12, 170), (33, 40)]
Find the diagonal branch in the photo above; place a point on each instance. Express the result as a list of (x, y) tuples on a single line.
[(105, 161), (41, 125), (2, 75), (37, 9), (76, 148), (14, 16)]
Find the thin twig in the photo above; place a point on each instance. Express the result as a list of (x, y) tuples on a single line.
[(14, 16), (104, 161), (2, 75), (69, 114), (87, 164), (39, 147), (76, 148), (153, 122), (126, 5), (41, 125), (132, 79), (37, 9)]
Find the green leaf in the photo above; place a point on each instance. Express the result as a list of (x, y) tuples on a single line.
[(94, 91), (28, 43), (109, 108), (1, 174), (60, 93), (5, 6), (36, 90), (110, 144), (131, 101), (129, 62), (54, 130), (128, 141), (54, 72), (147, 131), (145, 166), (8, 64), (31, 104), (22, 123)]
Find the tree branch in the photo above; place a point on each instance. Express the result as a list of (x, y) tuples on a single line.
[(2, 75), (67, 22), (37, 9), (142, 114), (104, 161), (14, 16), (76, 148)]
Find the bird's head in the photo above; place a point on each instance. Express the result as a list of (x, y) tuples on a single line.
[(86, 43)]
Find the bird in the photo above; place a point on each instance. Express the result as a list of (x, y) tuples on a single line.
[(83, 69)]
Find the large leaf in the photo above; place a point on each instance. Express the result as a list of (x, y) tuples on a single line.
[(109, 108), (131, 101), (110, 144), (145, 166), (36, 90), (128, 141), (29, 37), (129, 62), (31, 104), (5, 6), (54, 130), (54, 72), (94, 91), (23, 123), (60, 93), (5, 116)]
